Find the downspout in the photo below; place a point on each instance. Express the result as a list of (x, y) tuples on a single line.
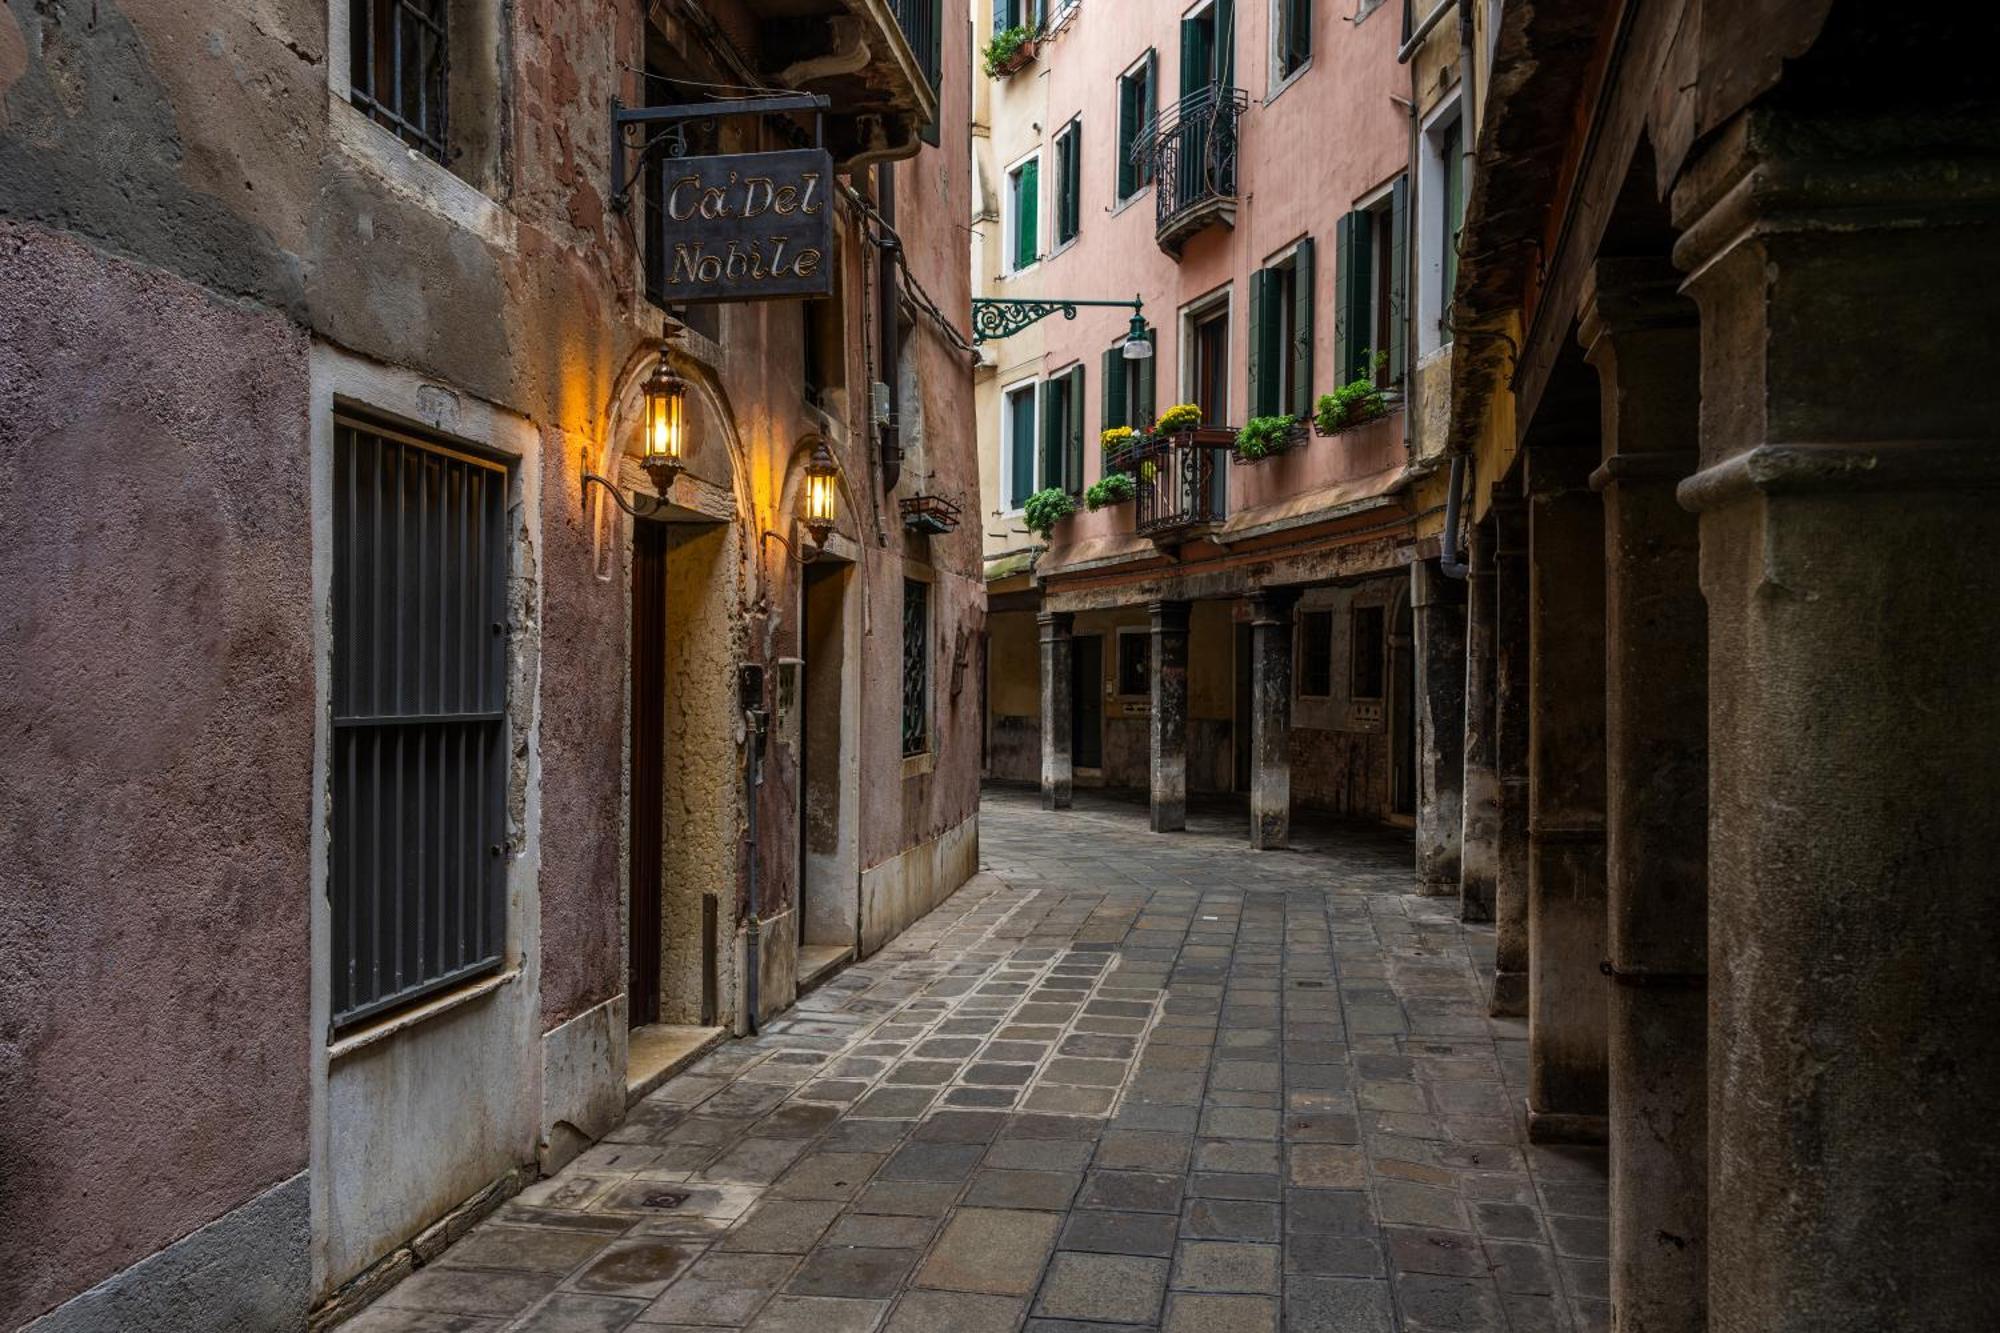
[(1451, 559), (887, 257)]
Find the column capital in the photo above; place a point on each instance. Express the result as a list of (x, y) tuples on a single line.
[(1055, 624), (1631, 296), (1169, 616), (1273, 606)]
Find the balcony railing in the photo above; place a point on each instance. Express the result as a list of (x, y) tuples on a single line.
[(1179, 485), (1192, 148)]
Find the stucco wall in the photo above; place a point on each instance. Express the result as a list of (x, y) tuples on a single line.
[(157, 649)]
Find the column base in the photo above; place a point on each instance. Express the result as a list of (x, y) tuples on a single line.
[(1437, 888), (1055, 800), (1169, 821), (1510, 995), (1567, 1127)]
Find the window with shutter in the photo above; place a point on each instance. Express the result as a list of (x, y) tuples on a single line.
[(1291, 37), (1299, 334), (1114, 388), (1024, 214), (1073, 431), (1136, 101), (1020, 440), (1069, 182)]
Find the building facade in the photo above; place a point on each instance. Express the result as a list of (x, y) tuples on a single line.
[(1276, 184), (1730, 780), (399, 771)]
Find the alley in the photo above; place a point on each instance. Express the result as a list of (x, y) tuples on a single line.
[(1119, 1079)]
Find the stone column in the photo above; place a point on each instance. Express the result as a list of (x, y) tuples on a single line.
[(1849, 531), (1642, 336), (1479, 836), (1271, 717), (1437, 606), (1058, 706), (1510, 756), (1169, 720), (1567, 1005)]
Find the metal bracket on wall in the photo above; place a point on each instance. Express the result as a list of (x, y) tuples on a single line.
[(999, 317), (624, 172)]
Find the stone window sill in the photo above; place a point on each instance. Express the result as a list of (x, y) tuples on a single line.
[(395, 1024)]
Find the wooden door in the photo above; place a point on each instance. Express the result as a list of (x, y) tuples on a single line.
[(648, 810)]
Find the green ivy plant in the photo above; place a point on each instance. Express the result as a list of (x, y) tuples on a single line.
[(1003, 47), (1354, 402), (1263, 436), (1116, 488), (1046, 508)]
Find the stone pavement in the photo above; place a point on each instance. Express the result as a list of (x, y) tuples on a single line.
[(1120, 1080)]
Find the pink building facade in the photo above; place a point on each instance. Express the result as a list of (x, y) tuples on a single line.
[(1246, 171)]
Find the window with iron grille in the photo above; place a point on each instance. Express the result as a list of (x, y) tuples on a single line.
[(916, 666), (398, 66), (1135, 663), (419, 723), (1316, 654)]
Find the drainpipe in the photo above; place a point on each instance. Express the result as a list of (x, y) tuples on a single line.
[(754, 721), (887, 257), (1451, 560)]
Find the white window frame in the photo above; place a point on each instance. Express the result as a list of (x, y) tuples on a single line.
[(1033, 387), (1428, 182), (1274, 82), (1192, 313), (1009, 225)]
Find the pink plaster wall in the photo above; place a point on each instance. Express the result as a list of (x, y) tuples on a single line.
[(157, 722), (1332, 136)]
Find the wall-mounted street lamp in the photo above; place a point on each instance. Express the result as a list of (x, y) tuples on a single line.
[(663, 444), (999, 317), (818, 503)]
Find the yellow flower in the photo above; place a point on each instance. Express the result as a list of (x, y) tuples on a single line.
[(1181, 416)]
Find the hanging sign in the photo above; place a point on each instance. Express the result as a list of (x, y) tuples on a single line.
[(746, 226)]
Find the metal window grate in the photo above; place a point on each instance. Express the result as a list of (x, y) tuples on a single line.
[(916, 666), (419, 723), (398, 66)]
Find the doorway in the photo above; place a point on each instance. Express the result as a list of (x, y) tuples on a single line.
[(648, 786), (1208, 377), (1086, 715), (1402, 713), (1240, 726), (828, 904)]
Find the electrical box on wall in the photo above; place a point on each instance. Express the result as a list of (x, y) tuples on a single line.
[(786, 708)]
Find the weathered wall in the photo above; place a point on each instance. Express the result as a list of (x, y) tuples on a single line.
[(1013, 697), (157, 648)]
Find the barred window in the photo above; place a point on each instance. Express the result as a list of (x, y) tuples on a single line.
[(916, 666), (398, 62), (419, 724)]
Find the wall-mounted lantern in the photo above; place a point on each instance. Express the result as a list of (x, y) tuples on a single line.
[(664, 449), (817, 511), (1138, 343)]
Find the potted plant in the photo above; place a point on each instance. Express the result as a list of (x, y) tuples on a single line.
[(1116, 488), (1263, 436), (1046, 508), (1009, 49), (1121, 446), (1353, 403), (1183, 422)]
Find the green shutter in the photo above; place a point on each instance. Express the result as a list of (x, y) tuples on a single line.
[(1302, 331), (1054, 418), (1263, 327), (1021, 446), (1399, 279), (1073, 430), (1352, 327), (1142, 412), (1069, 183), (1027, 215), (1195, 54), (1113, 389), (1225, 43)]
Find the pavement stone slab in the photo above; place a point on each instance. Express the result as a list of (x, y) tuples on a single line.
[(1117, 1080)]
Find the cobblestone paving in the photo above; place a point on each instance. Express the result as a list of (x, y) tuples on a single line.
[(1119, 1080)]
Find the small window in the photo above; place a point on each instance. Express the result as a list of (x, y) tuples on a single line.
[(1291, 37), (1138, 101), (1316, 654), (1069, 182), (397, 54), (1019, 437), (418, 769), (1368, 666), (1018, 14), (1135, 663), (916, 666), (1024, 216), (1440, 215)]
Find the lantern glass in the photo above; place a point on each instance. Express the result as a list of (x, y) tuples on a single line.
[(666, 415), (819, 500)]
